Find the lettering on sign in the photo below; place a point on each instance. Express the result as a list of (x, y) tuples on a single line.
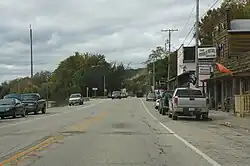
[(204, 69), (207, 53)]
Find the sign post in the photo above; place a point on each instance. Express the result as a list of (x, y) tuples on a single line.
[(87, 91)]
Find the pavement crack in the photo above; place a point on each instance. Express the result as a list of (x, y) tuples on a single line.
[(125, 133), (150, 127)]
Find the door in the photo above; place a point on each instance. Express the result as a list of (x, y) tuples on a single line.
[(19, 106)]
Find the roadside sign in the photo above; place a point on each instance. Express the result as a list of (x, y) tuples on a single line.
[(207, 53), (95, 89)]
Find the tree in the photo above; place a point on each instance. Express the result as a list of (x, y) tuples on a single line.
[(239, 9)]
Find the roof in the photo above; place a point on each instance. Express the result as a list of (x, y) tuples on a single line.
[(188, 88), (240, 25)]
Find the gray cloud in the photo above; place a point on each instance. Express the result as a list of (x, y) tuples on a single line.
[(122, 30)]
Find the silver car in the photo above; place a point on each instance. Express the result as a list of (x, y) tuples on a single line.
[(75, 98)]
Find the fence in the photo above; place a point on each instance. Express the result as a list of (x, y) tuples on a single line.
[(242, 105)]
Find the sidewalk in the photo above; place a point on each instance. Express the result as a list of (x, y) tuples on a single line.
[(230, 120)]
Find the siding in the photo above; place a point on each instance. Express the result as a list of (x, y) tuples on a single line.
[(239, 43)]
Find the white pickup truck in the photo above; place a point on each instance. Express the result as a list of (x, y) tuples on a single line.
[(188, 102)]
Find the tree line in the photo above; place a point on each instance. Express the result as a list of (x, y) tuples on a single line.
[(74, 75)]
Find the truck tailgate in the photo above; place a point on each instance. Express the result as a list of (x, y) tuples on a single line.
[(192, 102)]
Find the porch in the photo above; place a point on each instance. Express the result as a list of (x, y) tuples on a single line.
[(225, 92)]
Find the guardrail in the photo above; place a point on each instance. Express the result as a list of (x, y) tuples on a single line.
[(242, 105)]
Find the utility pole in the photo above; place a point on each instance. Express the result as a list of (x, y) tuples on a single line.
[(104, 85), (154, 74), (31, 53), (169, 49), (149, 80), (197, 43)]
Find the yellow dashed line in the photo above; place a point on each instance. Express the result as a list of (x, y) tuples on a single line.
[(13, 160)]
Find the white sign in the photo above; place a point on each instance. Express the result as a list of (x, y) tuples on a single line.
[(207, 53), (94, 88), (204, 69)]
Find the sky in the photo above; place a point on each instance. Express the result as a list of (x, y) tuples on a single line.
[(124, 31)]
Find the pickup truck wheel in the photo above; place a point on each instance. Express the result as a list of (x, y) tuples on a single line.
[(205, 117), (36, 111), (198, 117), (24, 113), (44, 110), (174, 117), (14, 115), (163, 111)]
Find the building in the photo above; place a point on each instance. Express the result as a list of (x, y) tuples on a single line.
[(186, 66), (232, 41)]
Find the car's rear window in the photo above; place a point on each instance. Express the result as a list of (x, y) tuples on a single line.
[(188, 93), (116, 92), (75, 95), (26, 97)]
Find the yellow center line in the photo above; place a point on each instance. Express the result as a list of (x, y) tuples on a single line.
[(16, 158)]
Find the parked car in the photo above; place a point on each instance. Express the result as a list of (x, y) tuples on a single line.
[(116, 95), (13, 95), (11, 107), (164, 102), (151, 96), (157, 103), (188, 102), (75, 98), (33, 103)]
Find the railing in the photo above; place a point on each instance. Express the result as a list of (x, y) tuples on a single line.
[(242, 105)]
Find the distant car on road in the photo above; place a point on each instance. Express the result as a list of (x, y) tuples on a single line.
[(11, 107), (116, 95), (75, 98), (151, 96), (34, 103)]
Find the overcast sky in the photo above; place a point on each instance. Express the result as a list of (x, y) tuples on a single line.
[(121, 30)]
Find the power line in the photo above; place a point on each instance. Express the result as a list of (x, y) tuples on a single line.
[(188, 19), (213, 4), (190, 41), (188, 33)]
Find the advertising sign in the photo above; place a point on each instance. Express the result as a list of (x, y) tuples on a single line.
[(207, 53), (204, 69)]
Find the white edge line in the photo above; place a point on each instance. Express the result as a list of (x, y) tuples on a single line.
[(210, 160), (27, 121)]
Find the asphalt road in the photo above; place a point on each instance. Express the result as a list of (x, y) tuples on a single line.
[(112, 132)]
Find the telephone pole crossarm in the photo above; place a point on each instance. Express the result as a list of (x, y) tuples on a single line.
[(169, 49)]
